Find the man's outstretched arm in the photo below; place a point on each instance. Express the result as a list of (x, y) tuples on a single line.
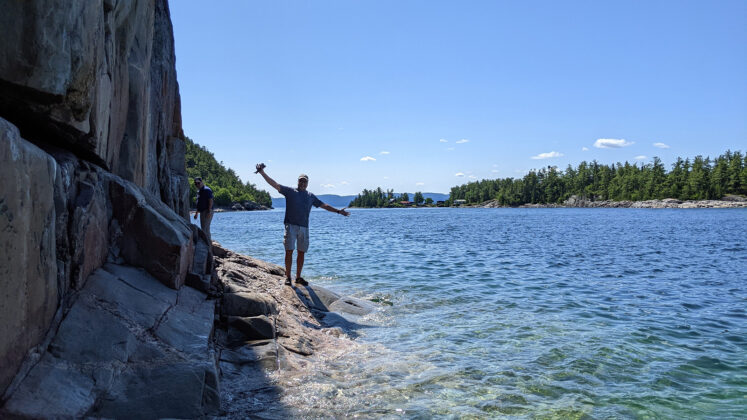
[(334, 210), (261, 170)]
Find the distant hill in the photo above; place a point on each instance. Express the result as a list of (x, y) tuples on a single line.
[(344, 200)]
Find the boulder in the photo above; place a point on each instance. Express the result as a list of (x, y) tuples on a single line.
[(262, 353), (200, 275), (28, 264), (152, 235), (300, 345), (253, 328), (735, 198), (89, 230), (352, 306), (321, 299), (247, 304), (251, 205)]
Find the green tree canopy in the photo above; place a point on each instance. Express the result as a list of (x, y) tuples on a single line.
[(697, 179), (226, 185)]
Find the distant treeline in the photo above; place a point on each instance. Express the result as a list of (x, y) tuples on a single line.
[(696, 179), (381, 198), (226, 185)]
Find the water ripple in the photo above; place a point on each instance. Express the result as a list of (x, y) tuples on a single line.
[(528, 313)]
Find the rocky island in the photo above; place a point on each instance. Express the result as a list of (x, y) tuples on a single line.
[(113, 304)]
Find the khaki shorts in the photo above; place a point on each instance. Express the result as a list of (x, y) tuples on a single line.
[(293, 234)]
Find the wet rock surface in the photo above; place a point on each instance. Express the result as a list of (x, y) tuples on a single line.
[(271, 335)]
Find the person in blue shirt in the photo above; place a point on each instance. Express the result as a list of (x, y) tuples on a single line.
[(298, 202), (204, 206)]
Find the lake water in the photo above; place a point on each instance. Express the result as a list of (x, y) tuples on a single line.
[(527, 313)]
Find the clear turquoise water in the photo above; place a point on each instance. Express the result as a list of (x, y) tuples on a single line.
[(529, 313)]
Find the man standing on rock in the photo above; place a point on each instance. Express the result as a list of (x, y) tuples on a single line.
[(204, 206), (298, 204)]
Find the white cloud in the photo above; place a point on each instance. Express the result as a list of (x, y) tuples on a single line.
[(495, 171), (548, 155), (459, 174), (443, 141), (640, 157), (584, 149), (661, 145), (344, 183), (472, 177), (328, 185), (367, 158), (449, 148), (386, 177), (420, 184), (495, 165), (611, 143), (462, 141), (384, 152)]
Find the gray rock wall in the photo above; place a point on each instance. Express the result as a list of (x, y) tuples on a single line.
[(28, 272), (99, 79), (92, 172)]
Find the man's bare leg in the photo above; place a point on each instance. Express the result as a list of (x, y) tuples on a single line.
[(288, 263), (299, 263)]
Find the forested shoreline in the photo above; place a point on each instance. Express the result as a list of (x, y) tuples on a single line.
[(688, 179), (379, 198), (226, 185), (697, 179)]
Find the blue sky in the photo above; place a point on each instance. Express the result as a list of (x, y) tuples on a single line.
[(426, 95)]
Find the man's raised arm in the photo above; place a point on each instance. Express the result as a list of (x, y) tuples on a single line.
[(261, 170), (327, 207)]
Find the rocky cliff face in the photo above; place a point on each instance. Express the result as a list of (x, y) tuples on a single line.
[(98, 79), (92, 173), (111, 303)]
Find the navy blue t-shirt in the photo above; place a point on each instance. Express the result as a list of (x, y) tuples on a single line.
[(298, 205), (203, 198)]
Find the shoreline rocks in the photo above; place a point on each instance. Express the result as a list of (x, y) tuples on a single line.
[(268, 333), (248, 206), (130, 346), (731, 201)]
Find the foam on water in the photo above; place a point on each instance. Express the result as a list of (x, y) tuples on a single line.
[(526, 312)]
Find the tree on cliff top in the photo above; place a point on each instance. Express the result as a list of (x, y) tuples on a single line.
[(224, 182)]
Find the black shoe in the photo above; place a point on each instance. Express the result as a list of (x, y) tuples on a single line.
[(301, 281), (288, 282)]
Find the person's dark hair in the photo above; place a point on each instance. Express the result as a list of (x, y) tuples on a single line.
[(198, 179)]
